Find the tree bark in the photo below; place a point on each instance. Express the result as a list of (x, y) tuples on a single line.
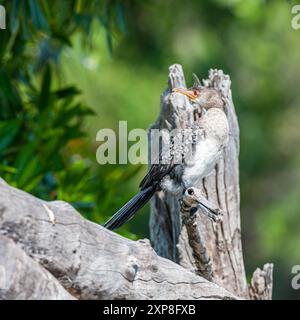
[(212, 250), (48, 251), (261, 284), (22, 278)]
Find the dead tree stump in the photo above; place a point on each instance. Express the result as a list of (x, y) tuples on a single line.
[(219, 258)]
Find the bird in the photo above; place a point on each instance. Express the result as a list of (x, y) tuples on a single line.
[(211, 132)]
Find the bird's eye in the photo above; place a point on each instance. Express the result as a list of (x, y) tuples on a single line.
[(196, 93)]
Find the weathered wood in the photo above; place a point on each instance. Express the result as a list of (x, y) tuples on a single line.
[(22, 278), (40, 238), (214, 250), (261, 285), (202, 261)]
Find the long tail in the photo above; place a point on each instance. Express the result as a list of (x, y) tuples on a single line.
[(130, 208)]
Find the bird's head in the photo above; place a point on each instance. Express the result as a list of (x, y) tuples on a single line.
[(204, 97)]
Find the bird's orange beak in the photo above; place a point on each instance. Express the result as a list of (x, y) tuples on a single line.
[(188, 93)]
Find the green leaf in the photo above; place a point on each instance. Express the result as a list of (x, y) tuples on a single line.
[(14, 22), (120, 13), (109, 41), (8, 131), (66, 92), (10, 99), (29, 172), (46, 9), (25, 155), (72, 112), (38, 19), (32, 183), (43, 100), (62, 37), (4, 168), (24, 22)]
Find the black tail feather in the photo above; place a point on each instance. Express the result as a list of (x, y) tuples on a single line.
[(130, 208)]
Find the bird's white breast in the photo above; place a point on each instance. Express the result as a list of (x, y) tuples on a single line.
[(208, 149)]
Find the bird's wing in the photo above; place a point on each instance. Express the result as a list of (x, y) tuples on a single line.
[(155, 174), (158, 170)]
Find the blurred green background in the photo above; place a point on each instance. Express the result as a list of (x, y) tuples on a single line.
[(71, 68)]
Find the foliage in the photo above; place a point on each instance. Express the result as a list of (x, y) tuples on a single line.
[(43, 148)]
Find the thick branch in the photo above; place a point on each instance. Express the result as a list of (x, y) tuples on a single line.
[(202, 261), (89, 261), (22, 278)]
